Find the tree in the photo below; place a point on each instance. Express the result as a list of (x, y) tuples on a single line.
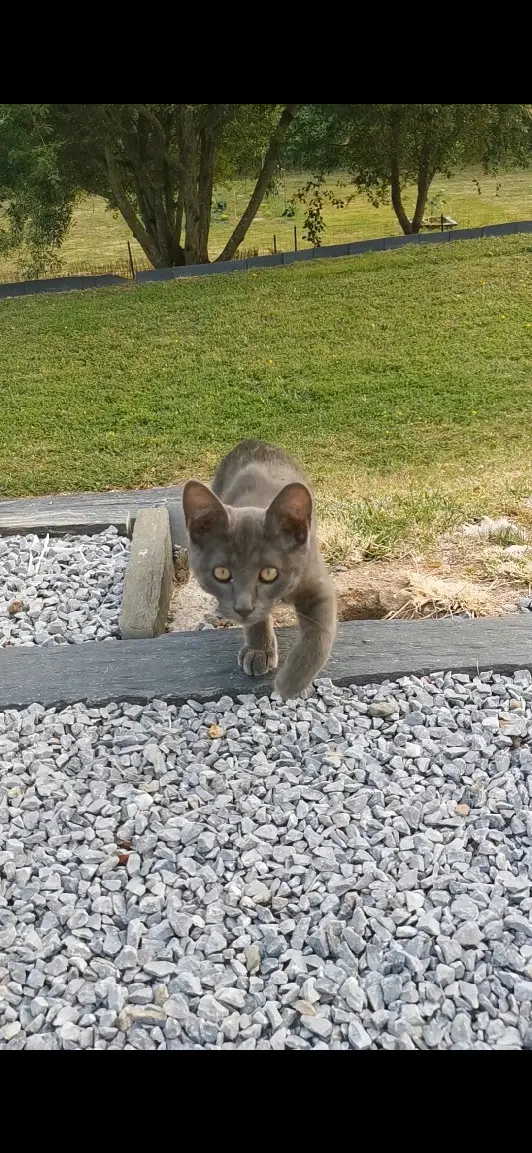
[(30, 189), (387, 147), (156, 164)]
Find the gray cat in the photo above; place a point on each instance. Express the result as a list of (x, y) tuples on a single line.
[(252, 544)]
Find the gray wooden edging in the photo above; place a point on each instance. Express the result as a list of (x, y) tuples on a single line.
[(148, 579), (354, 248), (62, 284), (203, 666), (328, 251), (87, 512)]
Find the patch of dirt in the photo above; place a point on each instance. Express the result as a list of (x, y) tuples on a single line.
[(378, 590), (189, 607), (369, 591), (474, 572)]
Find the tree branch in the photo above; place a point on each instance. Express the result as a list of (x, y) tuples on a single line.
[(129, 214), (424, 181), (149, 115), (265, 175), (146, 155)]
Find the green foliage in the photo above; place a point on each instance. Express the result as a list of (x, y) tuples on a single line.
[(37, 206), (316, 141), (246, 135), (156, 164), (388, 146), (437, 137), (437, 202), (314, 195)]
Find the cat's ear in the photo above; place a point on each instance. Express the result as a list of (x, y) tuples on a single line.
[(291, 512), (204, 513)]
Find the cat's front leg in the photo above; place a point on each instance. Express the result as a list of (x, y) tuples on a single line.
[(315, 605), (258, 655)]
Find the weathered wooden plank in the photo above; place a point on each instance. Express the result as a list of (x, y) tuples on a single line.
[(83, 512), (203, 665), (148, 579)]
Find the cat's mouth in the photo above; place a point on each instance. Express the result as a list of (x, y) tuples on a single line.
[(252, 618)]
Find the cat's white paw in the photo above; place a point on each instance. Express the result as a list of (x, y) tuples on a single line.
[(257, 662)]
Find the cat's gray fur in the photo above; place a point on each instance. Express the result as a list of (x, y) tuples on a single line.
[(259, 514)]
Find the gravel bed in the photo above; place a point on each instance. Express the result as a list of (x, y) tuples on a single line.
[(61, 590), (352, 871)]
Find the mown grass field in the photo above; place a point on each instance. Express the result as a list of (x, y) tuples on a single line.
[(97, 239), (402, 380)]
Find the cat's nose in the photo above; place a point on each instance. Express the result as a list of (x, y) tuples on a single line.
[(243, 607)]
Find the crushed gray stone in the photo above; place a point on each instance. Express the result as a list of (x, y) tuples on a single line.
[(327, 874), (61, 590)]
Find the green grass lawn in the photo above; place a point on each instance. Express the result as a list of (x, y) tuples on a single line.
[(402, 380), (508, 197), (97, 239)]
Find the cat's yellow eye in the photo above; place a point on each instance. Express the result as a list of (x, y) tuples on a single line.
[(268, 575), (221, 573)]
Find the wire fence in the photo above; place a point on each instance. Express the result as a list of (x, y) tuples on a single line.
[(79, 274), (117, 267), (133, 261)]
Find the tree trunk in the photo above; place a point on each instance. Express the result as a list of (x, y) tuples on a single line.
[(179, 220), (397, 202), (124, 206), (176, 253), (424, 181), (395, 174), (171, 252), (208, 141), (188, 149), (158, 240), (153, 216), (167, 243), (191, 225), (268, 168)]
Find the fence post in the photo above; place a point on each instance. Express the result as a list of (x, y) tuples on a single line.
[(131, 263), (274, 244), (295, 238)]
